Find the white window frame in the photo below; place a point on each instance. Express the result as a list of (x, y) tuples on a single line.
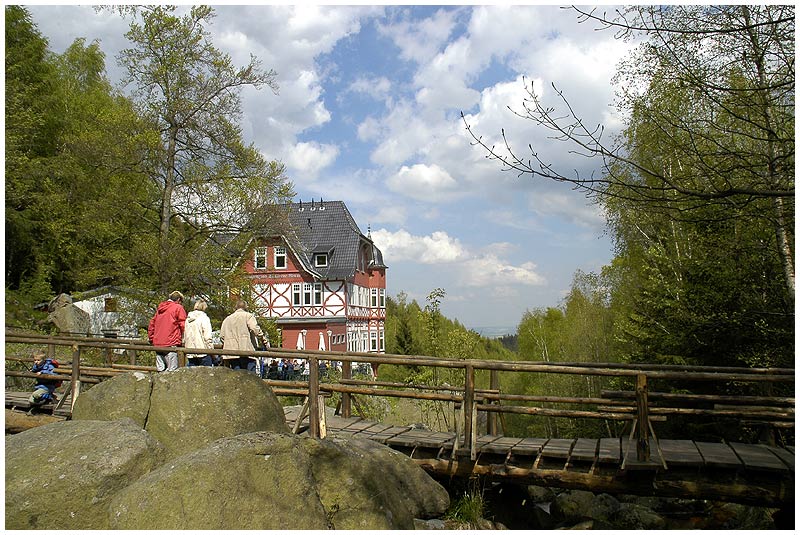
[(308, 293), (317, 294), (373, 293), (373, 341), (279, 253), (382, 338), (296, 294), (260, 258), (321, 260), (382, 298)]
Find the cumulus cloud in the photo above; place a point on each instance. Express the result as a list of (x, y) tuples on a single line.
[(489, 270), (375, 87), (400, 246), (486, 269), (428, 183), (308, 159)]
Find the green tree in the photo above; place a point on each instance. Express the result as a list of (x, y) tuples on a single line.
[(29, 138), (208, 179), (710, 93), (72, 192)]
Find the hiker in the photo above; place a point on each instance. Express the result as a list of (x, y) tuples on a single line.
[(44, 390), (237, 332), (198, 335), (166, 330)]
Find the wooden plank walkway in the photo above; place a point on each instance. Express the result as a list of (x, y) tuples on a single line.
[(739, 472), (20, 401)]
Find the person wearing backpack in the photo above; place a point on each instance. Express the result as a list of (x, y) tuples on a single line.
[(45, 388)]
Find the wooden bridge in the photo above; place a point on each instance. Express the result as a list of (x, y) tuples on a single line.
[(637, 463)]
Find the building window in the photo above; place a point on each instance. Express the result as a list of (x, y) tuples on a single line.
[(382, 303), (318, 293), (260, 258), (296, 294), (373, 341), (110, 304), (280, 257), (307, 287), (383, 341), (321, 260), (374, 297)]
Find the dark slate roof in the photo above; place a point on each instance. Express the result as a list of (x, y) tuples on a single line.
[(328, 227)]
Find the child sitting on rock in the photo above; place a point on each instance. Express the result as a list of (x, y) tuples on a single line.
[(45, 388)]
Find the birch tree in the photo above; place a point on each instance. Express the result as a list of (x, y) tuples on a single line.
[(209, 179)]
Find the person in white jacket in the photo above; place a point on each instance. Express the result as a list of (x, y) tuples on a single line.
[(197, 334)]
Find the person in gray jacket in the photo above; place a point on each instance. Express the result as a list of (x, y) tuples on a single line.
[(237, 332)]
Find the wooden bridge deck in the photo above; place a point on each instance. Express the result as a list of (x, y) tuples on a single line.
[(745, 473), (20, 401)]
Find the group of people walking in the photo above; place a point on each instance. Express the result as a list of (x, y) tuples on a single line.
[(172, 327)]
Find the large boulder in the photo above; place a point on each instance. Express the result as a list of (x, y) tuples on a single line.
[(187, 408), (68, 318), (275, 481), (63, 475), (124, 396)]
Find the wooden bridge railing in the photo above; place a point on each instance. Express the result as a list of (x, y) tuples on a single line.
[(635, 406)]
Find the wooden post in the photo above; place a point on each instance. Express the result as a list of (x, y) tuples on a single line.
[(491, 419), (642, 420), (347, 373), (181, 359), (132, 354), (75, 380), (313, 397), (51, 351), (469, 402)]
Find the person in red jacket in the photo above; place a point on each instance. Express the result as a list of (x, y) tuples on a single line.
[(166, 329)]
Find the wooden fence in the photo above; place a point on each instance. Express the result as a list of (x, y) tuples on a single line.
[(639, 406)]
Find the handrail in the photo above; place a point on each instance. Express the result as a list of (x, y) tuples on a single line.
[(635, 406)]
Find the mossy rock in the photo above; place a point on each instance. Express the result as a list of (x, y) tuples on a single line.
[(63, 475), (274, 481), (187, 408)]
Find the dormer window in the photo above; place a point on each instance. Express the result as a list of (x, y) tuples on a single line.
[(321, 260), (280, 257), (260, 258)]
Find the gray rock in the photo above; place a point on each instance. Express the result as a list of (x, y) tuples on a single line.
[(273, 481), (539, 494), (187, 408), (577, 505), (634, 516), (124, 396), (68, 318), (63, 475)]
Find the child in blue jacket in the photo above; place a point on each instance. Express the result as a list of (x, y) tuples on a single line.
[(43, 391)]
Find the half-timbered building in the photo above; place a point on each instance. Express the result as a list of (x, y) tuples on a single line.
[(322, 280)]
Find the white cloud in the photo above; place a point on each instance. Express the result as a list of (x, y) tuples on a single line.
[(309, 159), (467, 269), (489, 270), (401, 246), (376, 87), (396, 215), (420, 40), (428, 183), (566, 206)]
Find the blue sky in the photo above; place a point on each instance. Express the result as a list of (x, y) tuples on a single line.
[(369, 113)]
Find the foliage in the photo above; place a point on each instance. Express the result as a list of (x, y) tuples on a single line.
[(469, 508), (206, 176), (88, 202), (413, 330), (578, 331)]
